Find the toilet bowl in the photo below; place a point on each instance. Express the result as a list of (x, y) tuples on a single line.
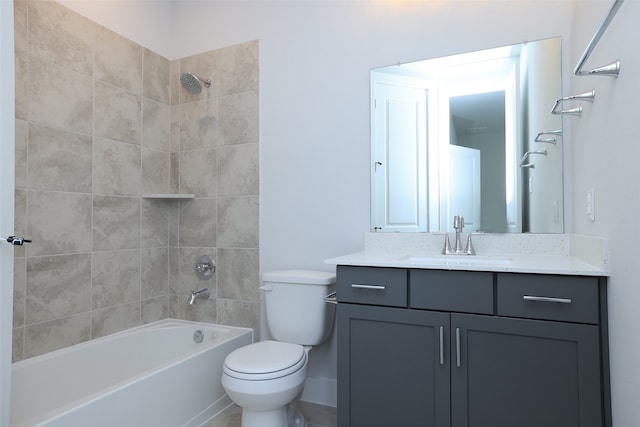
[(265, 388), (267, 378)]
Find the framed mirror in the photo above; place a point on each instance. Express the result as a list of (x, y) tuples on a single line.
[(471, 135)]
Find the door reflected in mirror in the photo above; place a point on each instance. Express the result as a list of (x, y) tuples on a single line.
[(448, 135)]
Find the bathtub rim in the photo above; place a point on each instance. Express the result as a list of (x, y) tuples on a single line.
[(114, 388)]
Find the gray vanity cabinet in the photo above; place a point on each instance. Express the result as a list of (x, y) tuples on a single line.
[(470, 349), (395, 375)]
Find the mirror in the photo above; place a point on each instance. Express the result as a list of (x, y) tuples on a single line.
[(471, 135)]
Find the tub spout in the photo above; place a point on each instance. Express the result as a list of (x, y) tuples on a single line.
[(203, 293)]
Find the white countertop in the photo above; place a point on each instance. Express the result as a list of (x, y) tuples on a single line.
[(540, 264), (569, 254)]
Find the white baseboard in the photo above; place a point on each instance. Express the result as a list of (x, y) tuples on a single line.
[(323, 391)]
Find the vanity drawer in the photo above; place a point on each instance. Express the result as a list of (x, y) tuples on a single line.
[(372, 285), (537, 296), (461, 291)]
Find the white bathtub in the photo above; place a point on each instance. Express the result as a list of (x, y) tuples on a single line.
[(153, 375)]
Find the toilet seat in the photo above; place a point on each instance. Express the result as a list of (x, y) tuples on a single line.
[(265, 360)]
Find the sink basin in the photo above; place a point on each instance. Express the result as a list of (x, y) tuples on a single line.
[(461, 260)]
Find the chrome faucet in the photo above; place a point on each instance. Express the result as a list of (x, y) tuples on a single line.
[(458, 225), (202, 293)]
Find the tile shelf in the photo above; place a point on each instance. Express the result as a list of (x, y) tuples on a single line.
[(169, 196)]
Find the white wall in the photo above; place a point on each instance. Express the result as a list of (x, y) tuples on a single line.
[(606, 151)]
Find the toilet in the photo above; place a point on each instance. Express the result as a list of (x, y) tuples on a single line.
[(266, 378)]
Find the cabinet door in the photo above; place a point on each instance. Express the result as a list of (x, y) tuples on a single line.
[(393, 367), (525, 373)]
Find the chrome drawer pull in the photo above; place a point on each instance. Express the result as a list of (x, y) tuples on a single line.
[(458, 347), (442, 345), (546, 299), (375, 287)]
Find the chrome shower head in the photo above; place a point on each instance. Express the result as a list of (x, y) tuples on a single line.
[(191, 83)]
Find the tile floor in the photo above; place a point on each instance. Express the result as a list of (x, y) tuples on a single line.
[(316, 416)]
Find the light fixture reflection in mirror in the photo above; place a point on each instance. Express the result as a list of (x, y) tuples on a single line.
[(448, 135)]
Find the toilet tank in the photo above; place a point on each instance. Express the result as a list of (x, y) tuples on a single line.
[(295, 306)]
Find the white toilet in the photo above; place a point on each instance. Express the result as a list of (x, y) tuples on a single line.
[(266, 378)]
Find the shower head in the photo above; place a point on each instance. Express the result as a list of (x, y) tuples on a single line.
[(191, 83)]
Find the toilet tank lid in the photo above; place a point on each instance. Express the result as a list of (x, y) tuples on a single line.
[(311, 277)]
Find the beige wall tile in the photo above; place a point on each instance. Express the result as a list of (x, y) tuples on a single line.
[(238, 222), (114, 319), (22, 140), (174, 179), (238, 274), (156, 125), (58, 223), (60, 97), (198, 172), (115, 278), (199, 127), (174, 81), (155, 277), (155, 309), (156, 170), (116, 223), (239, 313), (21, 39), (118, 61), (116, 168), (154, 226), (19, 291), (198, 223), (59, 333), (117, 114), (58, 34), (59, 160), (22, 85), (175, 129), (238, 69), (156, 72), (238, 172), (238, 115), (57, 286)]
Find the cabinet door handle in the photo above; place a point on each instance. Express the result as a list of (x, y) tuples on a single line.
[(458, 347), (442, 345), (546, 299), (375, 287)]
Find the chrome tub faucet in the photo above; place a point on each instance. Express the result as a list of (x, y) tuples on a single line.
[(202, 293)]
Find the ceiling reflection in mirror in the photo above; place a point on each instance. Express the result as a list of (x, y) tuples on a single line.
[(470, 135)]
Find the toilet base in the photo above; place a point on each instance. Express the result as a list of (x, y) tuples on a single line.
[(288, 416)]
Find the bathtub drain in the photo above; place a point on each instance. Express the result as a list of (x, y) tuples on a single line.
[(198, 336)]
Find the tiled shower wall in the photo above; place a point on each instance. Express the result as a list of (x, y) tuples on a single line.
[(100, 122)]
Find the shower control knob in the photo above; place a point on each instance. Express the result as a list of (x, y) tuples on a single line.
[(15, 240)]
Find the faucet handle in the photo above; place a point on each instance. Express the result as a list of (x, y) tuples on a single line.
[(446, 250), (469, 250)]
